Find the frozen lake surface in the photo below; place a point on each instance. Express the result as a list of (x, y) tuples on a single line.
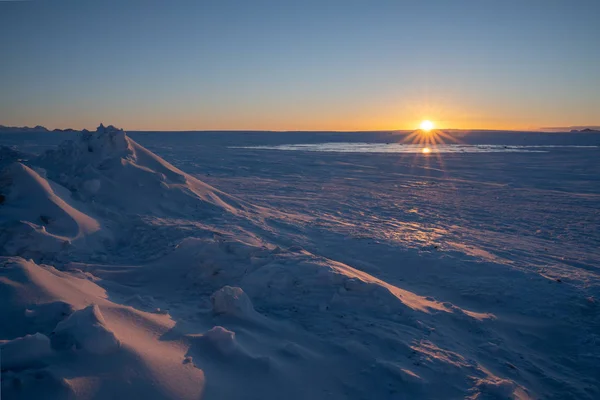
[(415, 148), (366, 268), (349, 147)]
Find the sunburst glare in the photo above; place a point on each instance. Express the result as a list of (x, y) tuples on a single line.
[(427, 137)]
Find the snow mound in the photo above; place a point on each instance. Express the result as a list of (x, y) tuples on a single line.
[(232, 301), (220, 346), (9, 155), (108, 167), (35, 298), (25, 351), (86, 330), (221, 339), (285, 279), (44, 317), (32, 198), (117, 349), (29, 240), (240, 276)]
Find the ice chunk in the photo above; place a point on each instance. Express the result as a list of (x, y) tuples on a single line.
[(222, 339), (232, 301)]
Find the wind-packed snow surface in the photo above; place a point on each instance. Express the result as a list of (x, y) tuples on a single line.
[(329, 276)]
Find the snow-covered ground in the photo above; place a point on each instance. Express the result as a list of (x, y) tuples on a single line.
[(192, 265)]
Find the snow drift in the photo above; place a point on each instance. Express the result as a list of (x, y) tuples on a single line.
[(108, 166), (83, 196), (123, 276)]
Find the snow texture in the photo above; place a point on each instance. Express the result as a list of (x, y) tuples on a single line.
[(306, 275)]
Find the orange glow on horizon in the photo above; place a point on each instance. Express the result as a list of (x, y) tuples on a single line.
[(384, 119)]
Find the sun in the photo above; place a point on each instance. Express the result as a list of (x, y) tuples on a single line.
[(427, 138), (426, 125)]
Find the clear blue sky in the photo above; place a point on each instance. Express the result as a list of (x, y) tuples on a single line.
[(286, 65)]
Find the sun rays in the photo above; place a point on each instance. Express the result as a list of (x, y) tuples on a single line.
[(427, 137)]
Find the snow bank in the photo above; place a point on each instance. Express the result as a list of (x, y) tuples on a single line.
[(36, 298), (85, 330), (108, 167), (103, 349), (28, 351), (82, 197), (39, 217), (45, 316), (30, 197), (221, 339), (232, 301)]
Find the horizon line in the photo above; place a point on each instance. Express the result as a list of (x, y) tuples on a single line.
[(557, 129)]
